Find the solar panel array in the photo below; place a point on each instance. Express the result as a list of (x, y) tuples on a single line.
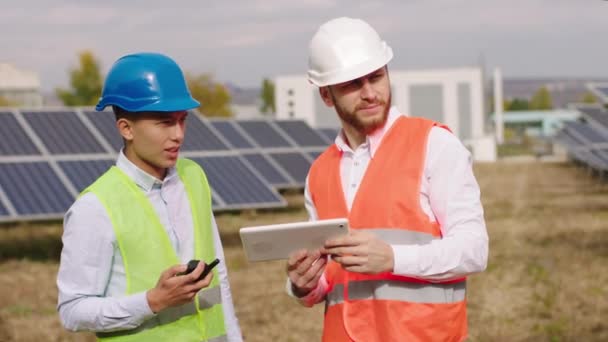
[(47, 157), (586, 141), (600, 90)]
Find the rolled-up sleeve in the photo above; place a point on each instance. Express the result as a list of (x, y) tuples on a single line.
[(454, 198)]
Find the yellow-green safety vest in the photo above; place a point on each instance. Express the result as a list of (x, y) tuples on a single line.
[(146, 252)]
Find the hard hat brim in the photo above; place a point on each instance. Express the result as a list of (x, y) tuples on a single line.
[(149, 105), (352, 72)]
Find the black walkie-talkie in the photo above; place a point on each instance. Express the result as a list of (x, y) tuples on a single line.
[(208, 267)]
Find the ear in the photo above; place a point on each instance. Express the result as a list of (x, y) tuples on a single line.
[(326, 96), (125, 128)]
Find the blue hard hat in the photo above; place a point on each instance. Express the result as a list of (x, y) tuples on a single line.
[(145, 82)]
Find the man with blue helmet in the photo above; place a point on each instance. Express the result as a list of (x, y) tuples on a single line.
[(129, 234)]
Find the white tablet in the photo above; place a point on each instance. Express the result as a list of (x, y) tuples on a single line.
[(277, 241)]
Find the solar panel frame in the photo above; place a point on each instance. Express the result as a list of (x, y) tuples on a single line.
[(201, 136), (105, 123), (265, 134), (302, 134), (83, 173), (15, 140), (273, 173), (295, 163), (233, 134), (228, 185), (44, 189), (62, 132), (329, 133)]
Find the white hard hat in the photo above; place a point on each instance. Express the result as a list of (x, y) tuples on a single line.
[(344, 49)]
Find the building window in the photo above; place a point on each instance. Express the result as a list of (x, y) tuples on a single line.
[(290, 92), (290, 104), (291, 114)]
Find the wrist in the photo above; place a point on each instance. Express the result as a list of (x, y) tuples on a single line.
[(153, 302)]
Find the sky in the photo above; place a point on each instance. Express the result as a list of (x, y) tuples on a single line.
[(244, 41)]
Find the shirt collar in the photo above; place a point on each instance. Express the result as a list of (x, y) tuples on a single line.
[(143, 179), (373, 140)]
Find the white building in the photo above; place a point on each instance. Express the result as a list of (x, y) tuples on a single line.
[(19, 86), (451, 96)]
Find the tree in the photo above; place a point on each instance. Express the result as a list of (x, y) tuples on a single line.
[(541, 100), (267, 95), (86, 83), (5, 103), (588, 97), (214, 97), (518, 104)]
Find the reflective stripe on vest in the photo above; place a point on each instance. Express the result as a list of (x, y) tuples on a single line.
[(398, 291), (386, 307), (147, 251)]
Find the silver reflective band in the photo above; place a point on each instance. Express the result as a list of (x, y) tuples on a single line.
[(209, 297), (400, 236), (222, 338), (206, 299), (399, 291)]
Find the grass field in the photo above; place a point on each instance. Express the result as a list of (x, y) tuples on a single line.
[(547, 276)]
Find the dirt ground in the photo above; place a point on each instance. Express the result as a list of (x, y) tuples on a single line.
[(546, 279)]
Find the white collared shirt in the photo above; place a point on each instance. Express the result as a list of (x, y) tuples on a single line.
[(91, 278), (449, 194)]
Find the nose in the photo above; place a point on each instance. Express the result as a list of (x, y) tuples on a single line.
[(367, 92), (179, 131)]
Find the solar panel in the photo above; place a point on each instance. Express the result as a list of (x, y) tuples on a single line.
[(236, 184), (34, 188), (263, 133), (229, 131), (314, 154), (329, 133), (83, 173), (597, 115), (603, 90), (200, 137), (584, 132), (3, 210), (268, 170), (62, 132), (301, 133), (14, 140), (295, 163), (105, 123)]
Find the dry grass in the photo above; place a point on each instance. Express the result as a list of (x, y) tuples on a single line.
[(546, 279)]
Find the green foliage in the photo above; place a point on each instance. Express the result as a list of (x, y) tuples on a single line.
[(517, 104), (5, 103), (267, 95), (214, 97), (541, 100), (588, 97), (85, 81)]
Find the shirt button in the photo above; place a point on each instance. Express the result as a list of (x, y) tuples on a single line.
[(356, 163)]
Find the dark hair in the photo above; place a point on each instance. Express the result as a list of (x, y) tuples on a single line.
[(120, 113)]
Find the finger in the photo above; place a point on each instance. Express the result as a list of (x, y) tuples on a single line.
[(339, 241), (173, 271), (342, 251), (315, 271), (305, 265), (193, 276), (296, 257), (197, 286), (350, 260)]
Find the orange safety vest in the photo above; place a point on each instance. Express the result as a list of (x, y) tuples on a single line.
[(386, 307)]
